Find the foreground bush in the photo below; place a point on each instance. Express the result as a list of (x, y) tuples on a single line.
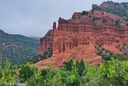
[(109, 73), (7, 74)]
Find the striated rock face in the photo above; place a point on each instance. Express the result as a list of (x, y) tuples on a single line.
[(77, 37), (98, 28), (46, 42)]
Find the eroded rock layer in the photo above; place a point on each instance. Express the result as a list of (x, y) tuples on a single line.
[(46, 42), (77, 37), (97, 28)]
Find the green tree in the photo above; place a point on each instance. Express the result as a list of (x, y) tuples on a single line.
[(68, 65), (114, 72), (80, 67), (7, 74), (91, 76), (36, 79), (85, 12), (26, 71)]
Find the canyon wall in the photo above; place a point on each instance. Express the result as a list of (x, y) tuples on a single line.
[(46, 42), (77, 38), (98, 28)]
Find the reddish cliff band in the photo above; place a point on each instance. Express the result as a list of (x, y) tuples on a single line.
[(77, 38)]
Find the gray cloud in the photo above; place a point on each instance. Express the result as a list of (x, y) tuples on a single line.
[(35, 17)]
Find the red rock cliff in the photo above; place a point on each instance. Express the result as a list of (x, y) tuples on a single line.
[(77, 37), (46, 42)]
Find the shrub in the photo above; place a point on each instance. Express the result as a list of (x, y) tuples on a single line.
[(7, 74), (85, 12)]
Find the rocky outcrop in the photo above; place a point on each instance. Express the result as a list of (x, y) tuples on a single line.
[(97, 27), (46, 42), (77, 37)]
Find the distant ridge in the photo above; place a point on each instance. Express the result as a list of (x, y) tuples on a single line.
[(17, 48), (1, 32)]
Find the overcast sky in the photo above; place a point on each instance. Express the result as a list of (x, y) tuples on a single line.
[(36, 17)]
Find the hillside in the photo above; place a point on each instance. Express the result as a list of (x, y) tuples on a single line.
[(120, 9), (84, 35), (89, 49), (17, 48)]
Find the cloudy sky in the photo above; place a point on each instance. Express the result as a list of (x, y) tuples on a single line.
[(35, 17)]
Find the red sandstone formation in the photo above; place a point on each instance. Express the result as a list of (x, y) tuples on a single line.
[(46, 42), (77, 37)]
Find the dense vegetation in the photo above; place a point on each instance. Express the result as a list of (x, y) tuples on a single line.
[(46, 54), (17, 48), (113, 72)]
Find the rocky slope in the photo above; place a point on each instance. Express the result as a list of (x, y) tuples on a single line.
[(79, 37), (120, 9), (17, 48)]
